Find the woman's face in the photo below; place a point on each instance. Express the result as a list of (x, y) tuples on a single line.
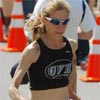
[(56, 23)]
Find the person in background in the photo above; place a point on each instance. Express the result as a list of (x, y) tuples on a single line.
[(7, 6), (28, 6), (82, 53), (49, 58)]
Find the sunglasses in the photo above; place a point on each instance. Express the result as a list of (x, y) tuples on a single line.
[(57, 22)]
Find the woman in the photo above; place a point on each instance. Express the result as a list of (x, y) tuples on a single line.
[(48, 59)]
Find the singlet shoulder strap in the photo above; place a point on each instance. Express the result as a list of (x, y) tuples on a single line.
[(67, 43), (40, 43)]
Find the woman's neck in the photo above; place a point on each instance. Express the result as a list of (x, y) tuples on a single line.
[(53, 43)]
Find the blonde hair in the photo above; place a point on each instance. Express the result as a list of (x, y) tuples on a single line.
[(35, 26)]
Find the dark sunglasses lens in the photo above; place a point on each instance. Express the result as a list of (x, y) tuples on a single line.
[(65, 22), (55, 21)]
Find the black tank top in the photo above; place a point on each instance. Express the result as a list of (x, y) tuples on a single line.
[(52, 68)]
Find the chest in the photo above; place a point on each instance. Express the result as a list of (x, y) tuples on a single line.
[(53, 64)]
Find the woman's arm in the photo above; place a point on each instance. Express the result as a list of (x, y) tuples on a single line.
[(73, 77), (14, 93), (73, 81), (29, 56), (72, 94)]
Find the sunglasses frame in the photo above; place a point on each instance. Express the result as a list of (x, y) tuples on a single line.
[(57, 21)]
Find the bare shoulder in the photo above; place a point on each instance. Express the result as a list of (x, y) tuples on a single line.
[(73, 44), (31, 52)]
